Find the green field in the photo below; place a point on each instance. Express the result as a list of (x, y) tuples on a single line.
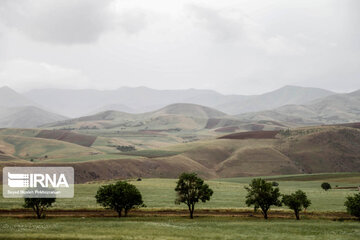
[(176, 228), (228, 193), (158, 194)]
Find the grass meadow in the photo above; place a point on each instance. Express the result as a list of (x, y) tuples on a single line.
[(176, 228), (228, 193), (159, 194)]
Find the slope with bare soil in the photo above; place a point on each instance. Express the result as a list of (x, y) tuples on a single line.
[(303, 150), (68, 136)]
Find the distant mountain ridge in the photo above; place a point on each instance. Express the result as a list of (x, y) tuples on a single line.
[(76, 103), (338, 108), (26, 117), (179, 115), (10, 98), (19, 111), (280, 97)]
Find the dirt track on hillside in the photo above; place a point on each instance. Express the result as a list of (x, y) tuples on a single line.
[(27, 213)]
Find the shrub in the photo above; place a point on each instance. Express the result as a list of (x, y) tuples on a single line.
[(326, 186), (275, 184), (352, 205)]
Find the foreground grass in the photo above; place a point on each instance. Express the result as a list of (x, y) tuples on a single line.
[(228, 193), (176, 228)]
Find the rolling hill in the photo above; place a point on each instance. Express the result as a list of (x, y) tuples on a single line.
[(303, 150), (174, 117), (18, 111), (338, 108), (141, 99), (137, 100), (283, 96), (184, 116), (26, 117)]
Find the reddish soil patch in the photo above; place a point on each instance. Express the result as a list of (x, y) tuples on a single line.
[(251, 135), (26, 213), (68, 136)]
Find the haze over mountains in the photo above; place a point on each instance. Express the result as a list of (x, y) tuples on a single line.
[(338, 108), (19, 111), (290, 105), (76, 103)]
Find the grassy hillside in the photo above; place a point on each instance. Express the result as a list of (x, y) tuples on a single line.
[(25, 144), (172, 118), (301, 150)]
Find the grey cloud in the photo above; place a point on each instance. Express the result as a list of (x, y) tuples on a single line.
[(59, 22), (133, 21), (221, 27)]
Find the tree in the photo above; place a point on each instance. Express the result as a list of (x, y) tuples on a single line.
[(119, 196), (326, 186), (262, 195), (296, 201), (39, 205), (352, 205), (190, 190)]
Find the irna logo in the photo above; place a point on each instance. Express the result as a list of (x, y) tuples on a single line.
[(38, 182), (31, 180)]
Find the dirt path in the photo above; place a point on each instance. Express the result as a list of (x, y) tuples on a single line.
[(25, 213)]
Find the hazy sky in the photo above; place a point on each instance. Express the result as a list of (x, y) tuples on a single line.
[(232, 46)]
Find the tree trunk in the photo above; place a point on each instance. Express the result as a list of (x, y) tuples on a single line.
[(119, 212), (265, 214), (191, 211), (126, 212), (37, 211), (297, 215)]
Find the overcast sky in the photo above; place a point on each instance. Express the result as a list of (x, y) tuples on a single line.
[(231, 46)]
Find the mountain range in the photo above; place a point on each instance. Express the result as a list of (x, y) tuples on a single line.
[(287, 106), (17, 110), (337, 108), (77, 103)]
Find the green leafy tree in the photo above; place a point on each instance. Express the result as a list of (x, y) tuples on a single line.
[(326, 186), (190, 190), (119, 196), (352, 205), (39, 205), (262, 195), (296, 201)]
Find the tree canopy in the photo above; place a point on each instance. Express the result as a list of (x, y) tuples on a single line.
[(39, 205), (190, 190), (119, 196), (296, 201), (262, 195), (326, 186)]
